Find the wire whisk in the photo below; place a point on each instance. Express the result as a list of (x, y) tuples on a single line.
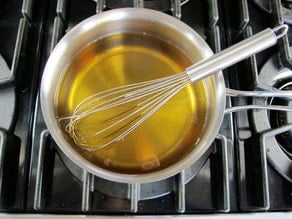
[(114, 113)]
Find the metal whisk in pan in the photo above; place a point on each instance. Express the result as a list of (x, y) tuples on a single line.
[(129, 106)]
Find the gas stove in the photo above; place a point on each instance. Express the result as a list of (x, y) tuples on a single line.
[(248, 168)]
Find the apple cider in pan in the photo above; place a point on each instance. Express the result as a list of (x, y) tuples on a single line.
[(127, 58)]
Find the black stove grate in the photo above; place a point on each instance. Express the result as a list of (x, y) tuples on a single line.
[(33, 174)]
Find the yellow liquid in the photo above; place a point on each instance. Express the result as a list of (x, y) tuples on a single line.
[(128, 58)]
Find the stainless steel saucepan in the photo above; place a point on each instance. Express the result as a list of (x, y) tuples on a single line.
[(171, 30)]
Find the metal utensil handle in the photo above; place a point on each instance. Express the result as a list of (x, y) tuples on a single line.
[(285, 94), (236, 53), (257, 107)]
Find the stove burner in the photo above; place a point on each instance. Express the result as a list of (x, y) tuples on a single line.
[(278, 141), (281, 118)]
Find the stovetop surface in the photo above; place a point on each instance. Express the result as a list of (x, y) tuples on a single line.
[(238, 174)]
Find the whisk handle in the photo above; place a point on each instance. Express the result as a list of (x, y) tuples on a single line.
[(236, 53)]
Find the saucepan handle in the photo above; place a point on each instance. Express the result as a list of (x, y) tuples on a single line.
[(275, 93)]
